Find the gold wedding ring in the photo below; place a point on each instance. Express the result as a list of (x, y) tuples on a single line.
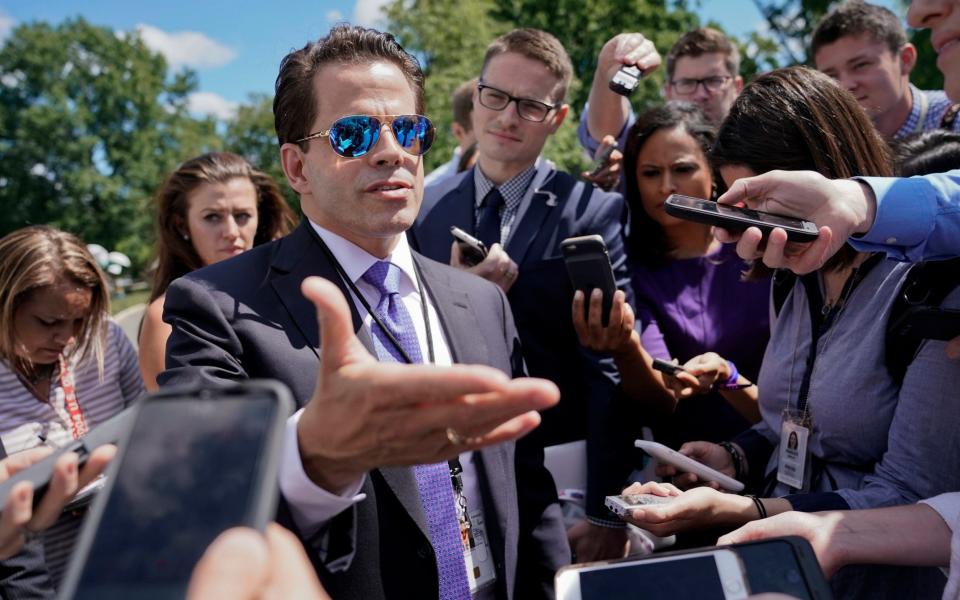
[(455, 438)]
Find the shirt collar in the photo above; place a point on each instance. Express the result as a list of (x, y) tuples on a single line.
[(355, 260), (512, 190), (910, 124)]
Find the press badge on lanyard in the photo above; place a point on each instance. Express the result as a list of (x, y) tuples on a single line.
[(793, 464), (473, 534)]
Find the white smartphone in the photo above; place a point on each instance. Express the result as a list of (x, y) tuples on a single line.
[(716, 574), (622, 505), (685, 463)]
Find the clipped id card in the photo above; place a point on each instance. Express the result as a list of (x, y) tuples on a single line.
[(794, 456)]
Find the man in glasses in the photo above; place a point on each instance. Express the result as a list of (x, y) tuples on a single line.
[(399, 478), (864, 47), (521, 208), (702, 68)]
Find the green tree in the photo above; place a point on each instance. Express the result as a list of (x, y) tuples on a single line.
[(89, 126), (251, 134)]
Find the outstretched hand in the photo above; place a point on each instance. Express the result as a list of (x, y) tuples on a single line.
[(366, 414), (840, 208)]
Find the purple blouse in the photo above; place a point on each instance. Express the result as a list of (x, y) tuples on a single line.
[(696, 305)]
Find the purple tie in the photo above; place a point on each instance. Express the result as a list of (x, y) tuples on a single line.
[(433, 481)]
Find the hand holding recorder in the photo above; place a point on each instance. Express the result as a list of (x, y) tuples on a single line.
[(493, 263)]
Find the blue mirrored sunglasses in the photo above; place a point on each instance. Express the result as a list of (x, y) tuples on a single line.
[(355, 135)]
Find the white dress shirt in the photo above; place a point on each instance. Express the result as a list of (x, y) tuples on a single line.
[(312, 506), (948, 507)]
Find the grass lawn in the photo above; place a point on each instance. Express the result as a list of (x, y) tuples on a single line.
[(130, 299)]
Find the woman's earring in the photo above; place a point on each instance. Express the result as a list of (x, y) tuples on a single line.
[(186, 237)]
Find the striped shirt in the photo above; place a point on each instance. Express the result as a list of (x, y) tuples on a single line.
[(25, 422), (512, 192), (929, 107)]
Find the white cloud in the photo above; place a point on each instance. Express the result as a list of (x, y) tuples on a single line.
[(7, 23), (368, 12), (186, 48), (334, 16), (208, 103)]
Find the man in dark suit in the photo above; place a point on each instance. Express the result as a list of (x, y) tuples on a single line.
[(364, 474), (521, 207)]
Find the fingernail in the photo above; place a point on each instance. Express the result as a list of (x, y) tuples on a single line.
[(24, 495)]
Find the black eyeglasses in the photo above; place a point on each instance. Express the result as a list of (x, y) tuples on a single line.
[(689, 86), (355, 135), (529, 110)]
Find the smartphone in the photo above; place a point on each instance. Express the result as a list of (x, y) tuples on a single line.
[(472, 250), (622, 505), (194, 463), (685, 463), (735, 218), (667, 367), (715, 574), (785, 565), (39, 474), (928, 323), (626, 80), (602, 159), (588, 266)]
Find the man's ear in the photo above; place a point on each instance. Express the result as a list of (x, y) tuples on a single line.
[(292, 160), (908, 58), (558, 118), (738, 83)]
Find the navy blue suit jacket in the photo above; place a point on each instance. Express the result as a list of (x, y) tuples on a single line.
[(246, 318), (560, 207)]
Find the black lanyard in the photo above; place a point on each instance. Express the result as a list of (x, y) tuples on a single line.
[(455, 468), (366, 305)]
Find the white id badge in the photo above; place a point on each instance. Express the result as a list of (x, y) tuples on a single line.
[(791, 467), (476, 553)]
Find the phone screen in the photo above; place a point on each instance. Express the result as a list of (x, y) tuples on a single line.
[(773, 567), (695, 577), (188, 472), (771, 219)]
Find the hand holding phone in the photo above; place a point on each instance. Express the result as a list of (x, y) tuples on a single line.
[(734, 218), (622, 504), (589, 268), (601, 159), (685, 463), (667, 367), (195, 463), (472, 250)]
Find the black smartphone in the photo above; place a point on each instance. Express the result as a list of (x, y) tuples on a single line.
[(194, 463), (928, 323), (588, 266), (735, 218), (602, 158), (666, 367), (626, 80), (472, 250), (785, 565), (108, 432)]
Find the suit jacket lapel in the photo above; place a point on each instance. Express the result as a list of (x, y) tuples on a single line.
[(457, 318), (403, 483), (537, 203), (298, 257)]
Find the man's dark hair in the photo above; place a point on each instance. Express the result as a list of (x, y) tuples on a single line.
[(294, 104), (462, 101), (934, 151), (700, 41), (859, 18)]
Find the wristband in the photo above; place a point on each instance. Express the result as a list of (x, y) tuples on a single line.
[(731, 382), (735, 457), (761, 509)]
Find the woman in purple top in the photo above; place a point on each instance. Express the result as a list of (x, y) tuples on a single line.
[(691, 302)]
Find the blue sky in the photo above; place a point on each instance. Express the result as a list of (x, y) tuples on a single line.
[(236, 47)]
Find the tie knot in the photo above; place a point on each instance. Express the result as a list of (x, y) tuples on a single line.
[(493, 199), (385, 276)]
